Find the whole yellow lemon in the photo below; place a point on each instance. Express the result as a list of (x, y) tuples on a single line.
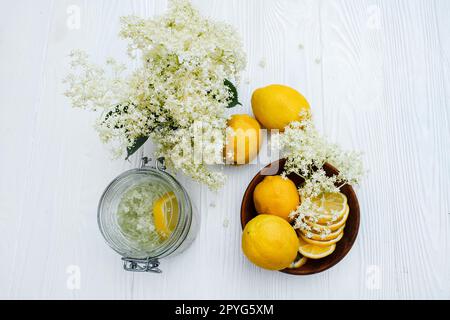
[(243, 139), (270, 242), (277, 196), (275, 106)]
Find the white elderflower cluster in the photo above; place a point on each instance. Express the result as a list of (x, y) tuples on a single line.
[(182, 87), (306, 151)]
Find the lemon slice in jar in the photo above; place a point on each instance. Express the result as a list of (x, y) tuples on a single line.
[(165, 214)]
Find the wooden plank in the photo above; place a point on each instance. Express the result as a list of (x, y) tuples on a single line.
[(385, 94)]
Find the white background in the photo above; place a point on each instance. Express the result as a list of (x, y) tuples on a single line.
[(377, 76)]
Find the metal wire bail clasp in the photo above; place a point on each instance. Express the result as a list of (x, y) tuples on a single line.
[(141, 265), (144, 162), (159, 163)]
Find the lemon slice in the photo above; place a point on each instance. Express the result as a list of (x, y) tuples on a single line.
[(165, 214), (329, 226), (315, 252), (331, 206), (299, 262), (330, 236), (322, 243)]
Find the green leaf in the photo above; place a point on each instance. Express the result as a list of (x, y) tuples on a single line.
[(139, 142), (234, 94)]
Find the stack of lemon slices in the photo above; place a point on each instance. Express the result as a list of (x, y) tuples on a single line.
[(323, 229)]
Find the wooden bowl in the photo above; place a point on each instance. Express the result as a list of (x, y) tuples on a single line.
[(248, 212)]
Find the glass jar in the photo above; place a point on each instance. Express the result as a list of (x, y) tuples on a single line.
[(138, 254)]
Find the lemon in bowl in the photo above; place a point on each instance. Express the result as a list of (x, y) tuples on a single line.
[(270, 242), (277, 196)]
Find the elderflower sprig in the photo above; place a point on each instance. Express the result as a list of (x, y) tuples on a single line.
[(306, 151), (188, 67)]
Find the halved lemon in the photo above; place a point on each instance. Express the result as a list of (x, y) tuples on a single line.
[(328, 237), (330, 226), (315, 252), (300, 261), (322, 243), (165, 214)]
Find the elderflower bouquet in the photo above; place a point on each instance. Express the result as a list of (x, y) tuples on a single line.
[(177, 96), (306, 151)]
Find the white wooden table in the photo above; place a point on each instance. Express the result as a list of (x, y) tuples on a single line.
[(377, 74)]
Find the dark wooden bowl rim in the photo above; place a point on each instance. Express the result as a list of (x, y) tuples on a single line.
[(248, 212)]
